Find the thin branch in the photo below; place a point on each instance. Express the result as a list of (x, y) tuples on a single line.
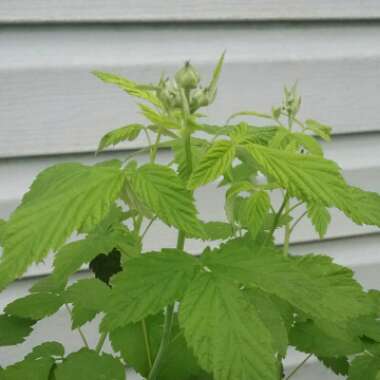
[(295, 370), (85, 342)]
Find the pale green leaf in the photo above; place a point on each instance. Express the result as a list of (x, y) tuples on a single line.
[(87, 364), (308, 143), (312, 284), (127, 133), (46, 350), (255, 211), (215, 77), (35, 306), (63, 199), (320, 218), (14, 330), (148, 284), (213, 163), (161, 190), (132, 88), (159, 119), (89, 297), (225, 331), (321, 130)]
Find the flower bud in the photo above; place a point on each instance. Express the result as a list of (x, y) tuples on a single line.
[(200, 98), (187, 77)]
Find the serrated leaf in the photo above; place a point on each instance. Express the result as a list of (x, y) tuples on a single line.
[(339, 365), (132, 88), (218, 230), (46, 350), (72, 256), (14, 330), (225, 331), (312, 284), (29, 369), (364, 367), (87, 364), (308, 337), (255, 211), (89, 297), (308, 142), (320, 218), (307, 177), (35, 306), (215, 77), (178, 362), (160, 188), (148, 284), (213, 164), (321, 130), (127, 133), (63, 199), (159, 119)]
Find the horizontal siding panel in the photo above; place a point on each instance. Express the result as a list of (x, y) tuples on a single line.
[(366, 266), (360, 169), (182, 10), (50, 104)]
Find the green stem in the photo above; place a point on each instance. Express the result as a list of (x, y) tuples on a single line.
[(299, 367), (83, 337), (168, 324), (288, 230), (147, 344), (277, 218), (101, 341), (153, 153), (297, 221)]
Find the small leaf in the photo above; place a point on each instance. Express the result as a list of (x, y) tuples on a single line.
[(14, 330), (215, 77), (132, 88), (339, 365), (129, 132), (255, 211), (158, 119), (320, 217), (35, 306), (87, 364), (213, 164), (148, 284), (225, 332), (47, 350), (89, 297), (321, 130), (218, 230), (164, 193)]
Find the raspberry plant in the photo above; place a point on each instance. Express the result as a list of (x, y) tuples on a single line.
[(231, 311)]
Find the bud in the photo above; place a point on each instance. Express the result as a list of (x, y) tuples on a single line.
[(187, 77), (200, 98)]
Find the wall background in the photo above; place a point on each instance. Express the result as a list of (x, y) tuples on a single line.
[(52, 109)]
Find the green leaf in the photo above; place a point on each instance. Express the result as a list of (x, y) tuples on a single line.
[(89, 297), (320, 217), (148, 284), (29, 369), (132, 88), (312, 284), (158, 119), (63, 199), (364, 206), (321, 130), (308, 143), (255, 211), (364, 367), (87, 364), (308, 337), (215, 77), (213, 164), (339, 365), (47, 350), (178, 362), (35, 306), (129, 132), (14, 330), (3, 224), (306, 177), (218, 230), (164, 193), (225, 331), (72, 256)]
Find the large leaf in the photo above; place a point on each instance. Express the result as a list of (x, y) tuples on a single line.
[(225, 331), (63, 199), (14, 330), (365, 367), (160, 188), (148, 284), (132, 88), (129, 132), (312, 284), (213, 164), (29, 369), (35, 306), (87, 364), (89, 297)]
